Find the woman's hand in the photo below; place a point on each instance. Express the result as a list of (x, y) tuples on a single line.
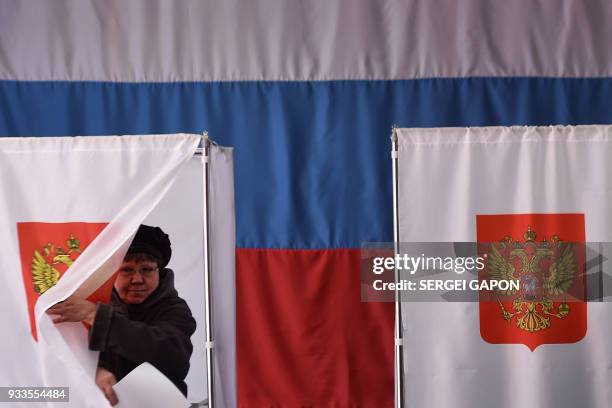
[(105, 380), (73, 309)]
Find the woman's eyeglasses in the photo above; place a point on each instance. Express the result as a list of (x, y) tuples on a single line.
[(144, 271)]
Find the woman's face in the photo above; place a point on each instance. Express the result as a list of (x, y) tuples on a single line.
[(136, 280)]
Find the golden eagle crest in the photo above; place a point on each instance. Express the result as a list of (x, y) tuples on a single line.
[(44, 271), (544, 270)]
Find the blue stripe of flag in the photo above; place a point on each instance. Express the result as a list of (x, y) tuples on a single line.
[(312, 158)]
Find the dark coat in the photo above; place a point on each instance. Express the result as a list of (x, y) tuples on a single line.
[(157, 331)]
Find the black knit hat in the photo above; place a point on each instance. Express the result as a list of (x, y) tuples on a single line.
[(152, 241)]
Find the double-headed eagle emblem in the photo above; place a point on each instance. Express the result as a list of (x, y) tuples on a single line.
[(544, 271), (44, 273)]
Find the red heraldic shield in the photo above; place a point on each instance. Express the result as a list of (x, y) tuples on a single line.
[(544, 255), (47, 251)]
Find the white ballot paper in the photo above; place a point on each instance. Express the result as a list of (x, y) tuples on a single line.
[(147, 387)]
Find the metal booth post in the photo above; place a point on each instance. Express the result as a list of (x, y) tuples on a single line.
[(399, 351), (210, 343)]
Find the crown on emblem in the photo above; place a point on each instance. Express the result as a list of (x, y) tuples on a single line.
[(529, 235), (73, 244)]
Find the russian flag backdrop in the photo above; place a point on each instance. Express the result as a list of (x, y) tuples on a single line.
[(307, 93)]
